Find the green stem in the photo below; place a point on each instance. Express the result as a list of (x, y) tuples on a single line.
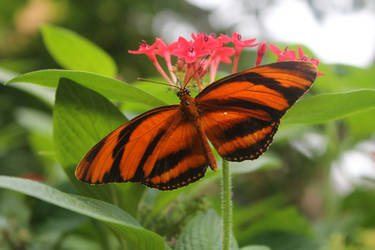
[(334, 147), (226, 205)]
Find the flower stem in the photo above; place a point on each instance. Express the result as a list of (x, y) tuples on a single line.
[(235, 63), (226, 205), (161, 71)]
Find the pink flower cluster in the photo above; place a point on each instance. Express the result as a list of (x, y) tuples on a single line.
[(204, 53), (291, 55)]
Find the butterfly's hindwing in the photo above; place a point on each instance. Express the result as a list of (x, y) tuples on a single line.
[(236, 135), (180, 158)]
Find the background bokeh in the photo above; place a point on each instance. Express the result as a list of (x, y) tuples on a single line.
[(315, 189)]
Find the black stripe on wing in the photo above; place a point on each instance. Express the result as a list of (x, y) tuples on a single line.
[(239, 104), (168, 162), (291, 94), (252, 150), (183, 179), (240, 129), (139, 174), (123, 139)]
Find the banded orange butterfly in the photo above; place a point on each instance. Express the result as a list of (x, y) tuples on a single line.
[(167, 147)]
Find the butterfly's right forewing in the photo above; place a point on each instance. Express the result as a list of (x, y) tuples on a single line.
[(240, 113)]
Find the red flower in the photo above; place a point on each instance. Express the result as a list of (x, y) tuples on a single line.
[(225, 39), (189, 50), (164, 51), (204, 53), (291, 55), (148, 50), (262, 49), (303, 57), (283, 55), (203, 39), (222, 54), (151, 51), (240, 44), (162, 48)]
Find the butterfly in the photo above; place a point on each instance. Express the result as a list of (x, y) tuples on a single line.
[(167, 147)]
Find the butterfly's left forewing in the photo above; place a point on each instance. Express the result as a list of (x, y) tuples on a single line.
[(121, 156), (159, 148), (240, 113)]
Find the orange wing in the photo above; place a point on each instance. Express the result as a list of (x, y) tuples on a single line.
[(240, 113), (159, 148)]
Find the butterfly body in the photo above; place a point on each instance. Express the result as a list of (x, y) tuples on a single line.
[(168, 147), (190, 112)]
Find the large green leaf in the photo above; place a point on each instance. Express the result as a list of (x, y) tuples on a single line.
[(109, 87), (203, 232), (81, 118), (326, 107), (136, 237), (344, 78), (72, 51)]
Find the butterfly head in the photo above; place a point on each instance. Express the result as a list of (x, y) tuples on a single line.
[(188, 104), (185, 97), (183, 92)]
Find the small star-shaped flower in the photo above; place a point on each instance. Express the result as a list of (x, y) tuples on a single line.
[(146, 49)]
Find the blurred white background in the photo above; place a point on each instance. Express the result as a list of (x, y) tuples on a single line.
[(341, 32)]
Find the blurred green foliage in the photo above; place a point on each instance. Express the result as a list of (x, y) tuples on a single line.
[(284, 200)]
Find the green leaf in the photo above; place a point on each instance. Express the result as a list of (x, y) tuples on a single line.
[(243, 215), (168, 95), (129, 195), (326, 107), (361, 125), (203, 232), (136, 237), (82, 118), (164, 199), (109, 87), (282, 220), (72, 51), (6, 75), (255, 247), (340, 77)]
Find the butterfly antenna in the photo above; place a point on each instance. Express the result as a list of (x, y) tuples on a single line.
[(154, 81), (195, 71), (179, 83)]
